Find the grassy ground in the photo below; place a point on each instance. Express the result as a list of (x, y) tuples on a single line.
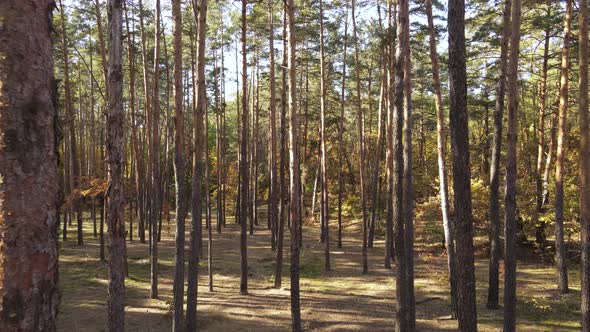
[(341, 300)]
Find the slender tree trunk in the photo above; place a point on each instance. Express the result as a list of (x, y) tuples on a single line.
[(494, 214), (560, 250), (466, 306), (442, 165), (341, 128), (408, 181), (155, 153), (244, 162), (70, 118), (294, 208), (272, 171), (116, 161), (584, 165), (29, 166), (391, 152), (361, 129), (179, 162), (200, 14), (283, 158), (540, 228)]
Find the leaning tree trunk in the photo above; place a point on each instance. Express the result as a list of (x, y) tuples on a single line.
[(116, 160), (442, 165), (560, 250), (466, 304), (511, 214), (584, 165), (29, 143)]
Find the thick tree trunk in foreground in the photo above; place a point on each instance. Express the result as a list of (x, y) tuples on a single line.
[(511, 214), (28, 163), (494, 214), (584, 165), (560, 250), (466, 306), (115, 159), (442, 164), (179, 161)]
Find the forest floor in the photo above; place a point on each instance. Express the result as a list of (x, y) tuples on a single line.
[(341, 300)]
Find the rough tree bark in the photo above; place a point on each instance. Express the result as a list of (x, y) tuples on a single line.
[(466, 306), (511, 214), (29, 143), (116, 162), (584, 165)]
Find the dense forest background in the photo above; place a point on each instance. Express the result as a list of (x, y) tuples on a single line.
[(426, 151)]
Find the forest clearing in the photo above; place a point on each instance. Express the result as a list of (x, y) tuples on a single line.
[(303, 165), (340, 300)]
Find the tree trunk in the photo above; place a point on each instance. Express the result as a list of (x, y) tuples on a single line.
[(584, 165), (294, 208), (283, 158), (540, 228), (244, 162), (155, 159), (560, 250), (29, 296), (466, 305), (179, 162), (200, 14), (115, 158), (442, 165), (494, 214), (361, 129), (70, 118), (272, 153), (408, 181), (341, 149), (511, 213)]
